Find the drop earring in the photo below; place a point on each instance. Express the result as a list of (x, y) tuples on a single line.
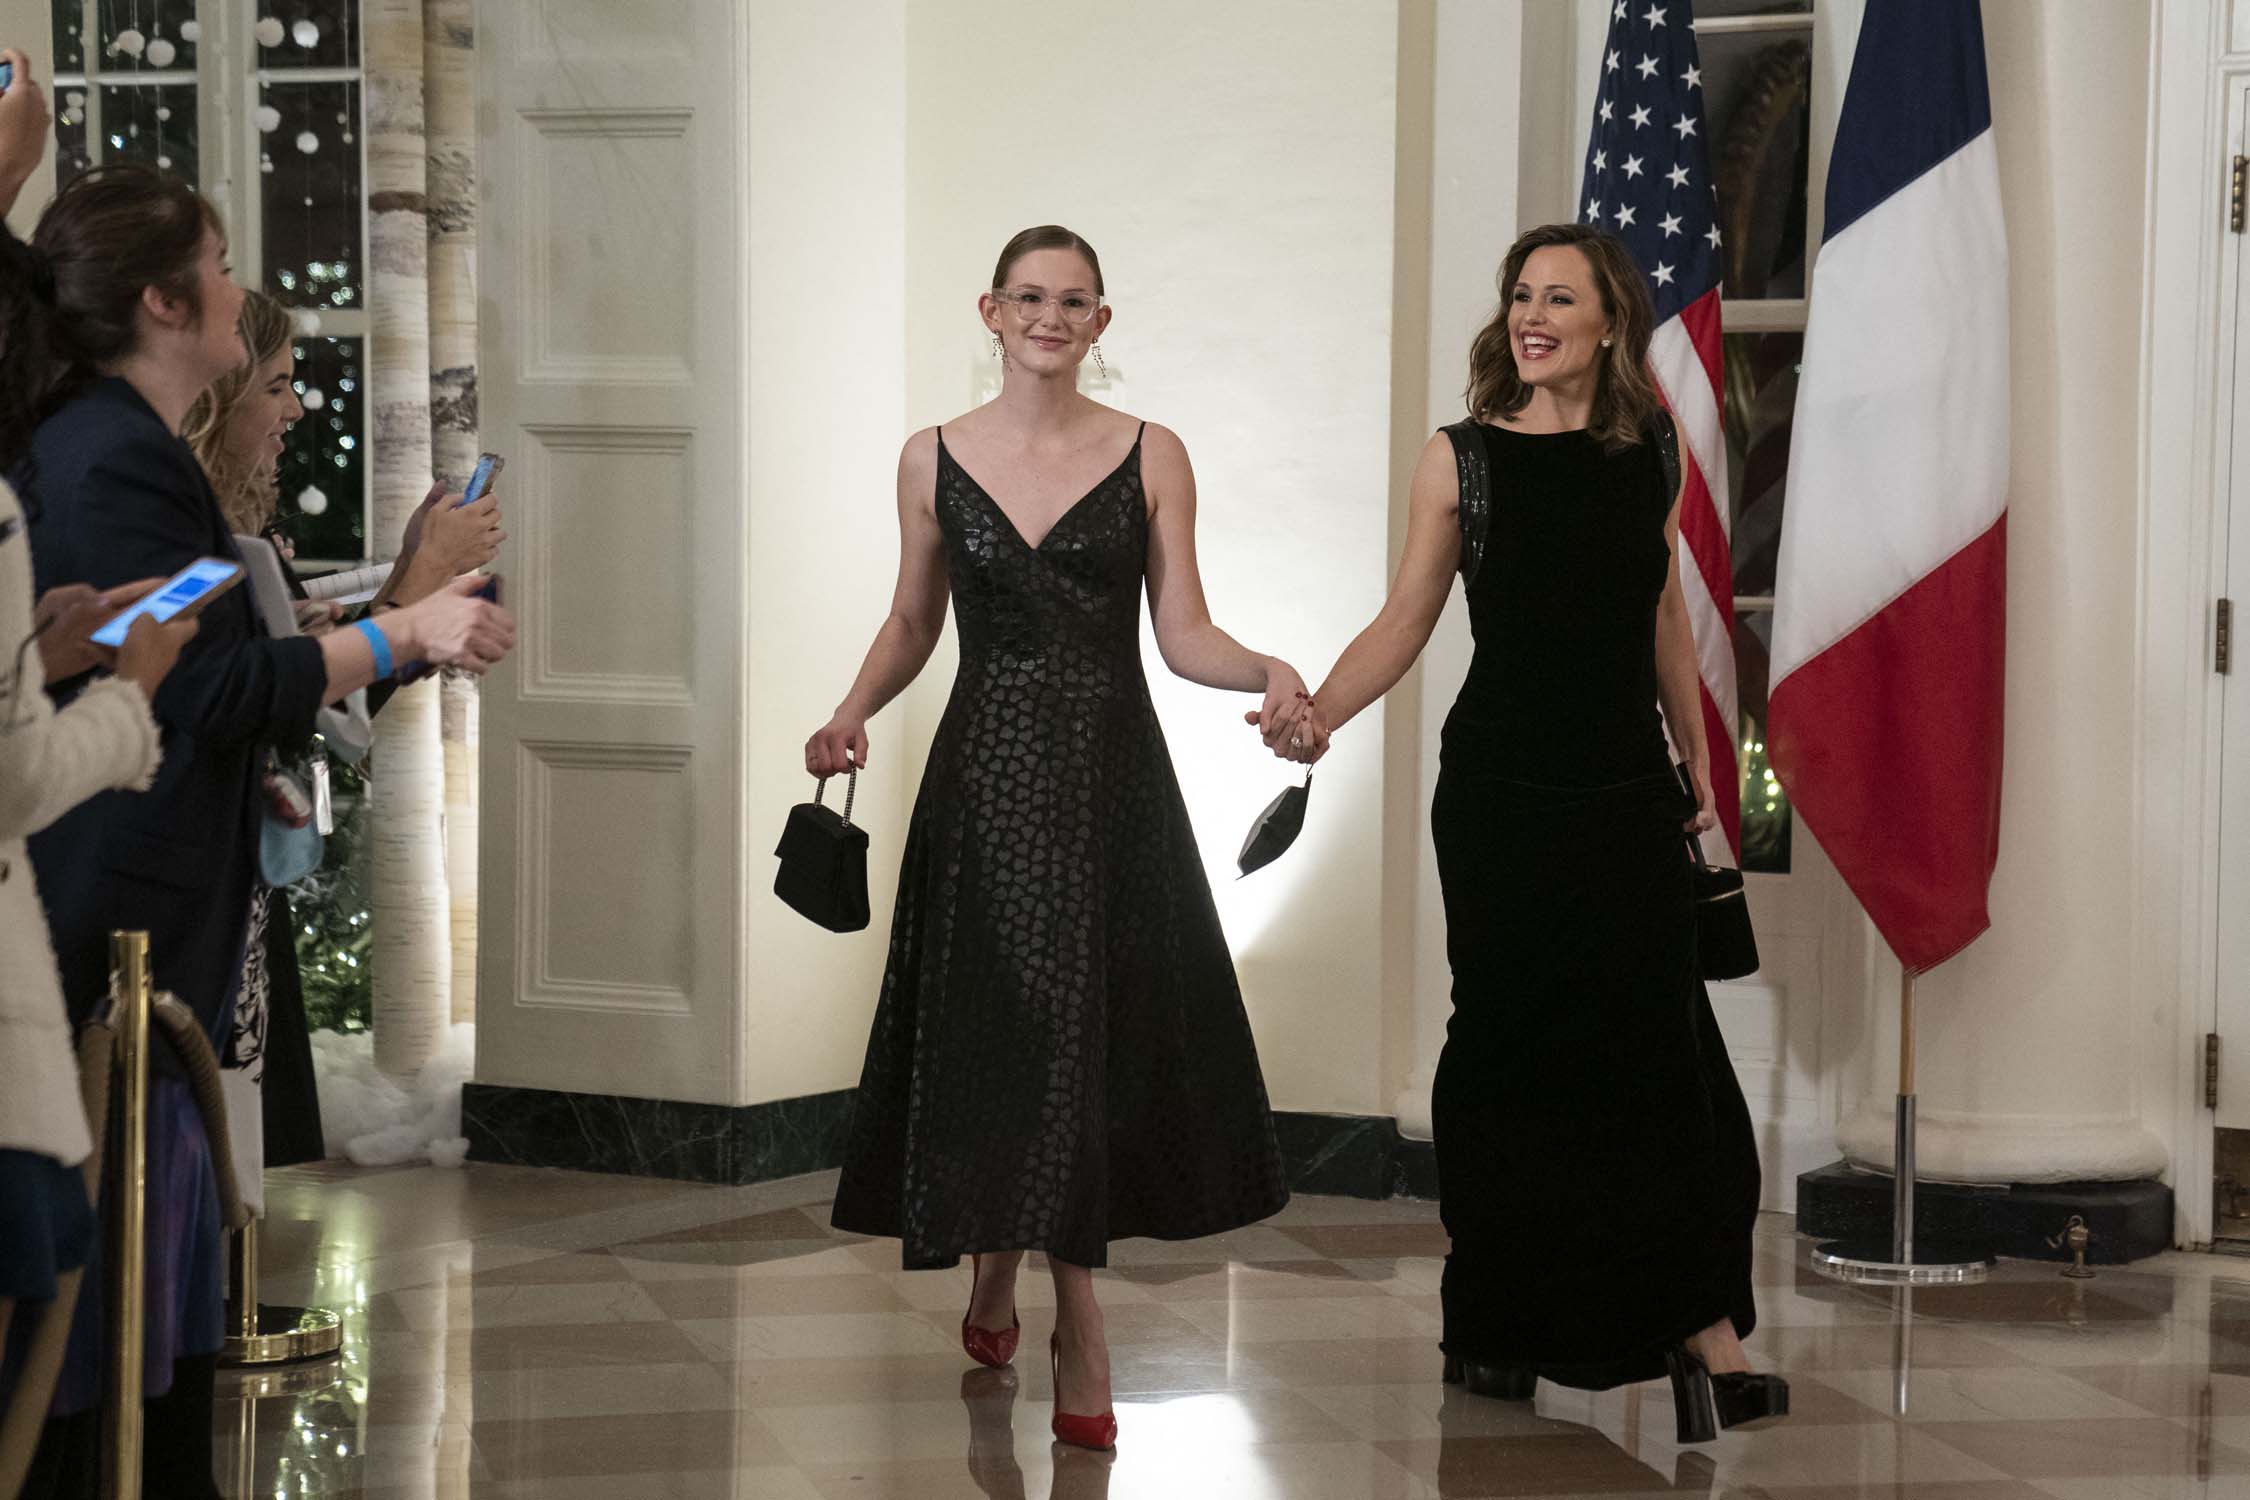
[(1100, 366), (997, 351)]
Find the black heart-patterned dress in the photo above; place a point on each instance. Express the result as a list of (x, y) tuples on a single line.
[(1060, 1056)]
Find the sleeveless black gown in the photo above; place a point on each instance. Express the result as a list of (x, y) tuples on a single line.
[(1597, 1167), (1059, 1056)]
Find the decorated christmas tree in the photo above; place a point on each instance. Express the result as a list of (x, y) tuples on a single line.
[(335, 930)]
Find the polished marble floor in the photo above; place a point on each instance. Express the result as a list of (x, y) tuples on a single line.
[(559, 1336)]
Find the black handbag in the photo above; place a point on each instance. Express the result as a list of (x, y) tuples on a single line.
[(823, 872), (1275, 829), (1727, 946)]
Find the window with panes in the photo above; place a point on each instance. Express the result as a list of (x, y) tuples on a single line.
[(258, 105), (1757, 61)]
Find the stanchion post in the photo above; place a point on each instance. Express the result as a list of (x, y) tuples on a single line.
[(132, 996), (246, 1260)]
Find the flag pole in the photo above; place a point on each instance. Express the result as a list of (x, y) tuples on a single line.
[(1902, 1130), (1907, 1260)]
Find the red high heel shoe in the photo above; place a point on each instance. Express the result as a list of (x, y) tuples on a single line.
[(1098, 1433), (987, 1346)]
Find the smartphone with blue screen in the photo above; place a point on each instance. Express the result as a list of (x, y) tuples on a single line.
[(186, 592), (488, 469), (7, 76)]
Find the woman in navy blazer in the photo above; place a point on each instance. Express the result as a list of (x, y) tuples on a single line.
[(112, 321)]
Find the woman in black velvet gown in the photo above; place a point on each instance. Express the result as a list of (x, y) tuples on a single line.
[(1597, 1170), (1060, 1055)]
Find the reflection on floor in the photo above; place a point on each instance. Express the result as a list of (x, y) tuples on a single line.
[(516, 1333)]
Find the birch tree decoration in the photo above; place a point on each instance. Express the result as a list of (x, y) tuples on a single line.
[(413, 946), (449, 92)]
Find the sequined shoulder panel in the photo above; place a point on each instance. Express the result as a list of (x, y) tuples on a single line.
[(1469, 456), (1667, 435)]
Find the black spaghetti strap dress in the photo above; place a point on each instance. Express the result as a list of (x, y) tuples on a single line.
[(1060, 1055), (1597, 1168)]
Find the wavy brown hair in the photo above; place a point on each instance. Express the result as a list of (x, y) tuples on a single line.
[(248, 492), (1624, 392)]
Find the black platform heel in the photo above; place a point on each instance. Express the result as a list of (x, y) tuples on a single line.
[(1703, 1403), (1500, 1382)]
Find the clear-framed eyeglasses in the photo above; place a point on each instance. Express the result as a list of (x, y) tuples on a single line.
[(1030, 302)]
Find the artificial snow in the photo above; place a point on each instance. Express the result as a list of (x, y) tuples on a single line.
[(372, 1121)]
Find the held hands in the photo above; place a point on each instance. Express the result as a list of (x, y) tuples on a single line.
[(837, 746), (1289, 721)]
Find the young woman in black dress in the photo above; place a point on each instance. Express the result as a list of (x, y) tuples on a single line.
[(1597, 1170), (1060, 1055)]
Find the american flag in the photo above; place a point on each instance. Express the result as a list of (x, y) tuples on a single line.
[(1648, 181)]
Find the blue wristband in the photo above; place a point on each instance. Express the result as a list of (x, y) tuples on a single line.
[(381, 647)]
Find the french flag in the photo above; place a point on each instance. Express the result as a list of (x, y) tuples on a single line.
[(1889, 652)]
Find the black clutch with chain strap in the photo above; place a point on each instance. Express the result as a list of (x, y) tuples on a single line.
[(823, 872)]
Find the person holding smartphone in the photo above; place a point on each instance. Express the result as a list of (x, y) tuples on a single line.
[(237, 428), (115, 317), (49, 762)]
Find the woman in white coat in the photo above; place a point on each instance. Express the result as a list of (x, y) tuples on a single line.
[(51, 761)]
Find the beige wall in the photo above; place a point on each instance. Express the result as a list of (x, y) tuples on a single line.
[(826, 374)]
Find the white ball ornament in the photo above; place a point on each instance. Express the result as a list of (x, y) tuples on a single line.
[(307, 34), (130, 42), (191, 31), (269, 32), (161, 53), (307, 321), (314, 398), (307, 142), (312, 501), (269, 119)]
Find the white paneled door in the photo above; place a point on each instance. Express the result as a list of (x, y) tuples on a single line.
[(612, 270)]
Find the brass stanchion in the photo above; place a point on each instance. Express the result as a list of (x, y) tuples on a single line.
[(131, 999), (263, 1334)]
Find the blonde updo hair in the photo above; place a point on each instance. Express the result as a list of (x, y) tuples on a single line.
[(248, 493)]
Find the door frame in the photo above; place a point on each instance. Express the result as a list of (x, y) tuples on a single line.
[(2199, 63)]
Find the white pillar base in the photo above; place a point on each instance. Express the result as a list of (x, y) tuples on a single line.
[(1954, 1146), (1412, 1109)]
